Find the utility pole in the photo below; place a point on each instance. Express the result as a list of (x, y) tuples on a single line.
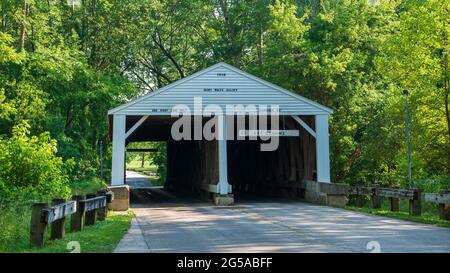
[(408, 138)]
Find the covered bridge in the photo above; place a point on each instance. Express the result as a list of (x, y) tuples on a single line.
[(225, 165)]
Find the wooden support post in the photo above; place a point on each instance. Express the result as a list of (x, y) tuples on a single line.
[(394, 203), (91, 216), (360, 200), (415, 204), (38, 226), (77, 219), (360, 195), (376, 200), (444, 211), (57, 226), (102, 213), (109, 199)]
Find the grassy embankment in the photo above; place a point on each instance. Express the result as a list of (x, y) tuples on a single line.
[(430, 213), (102, 237)]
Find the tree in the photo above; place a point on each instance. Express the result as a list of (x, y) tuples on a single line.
[(415, 57)]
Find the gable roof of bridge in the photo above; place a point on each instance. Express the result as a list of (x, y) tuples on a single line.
[(220, 84)]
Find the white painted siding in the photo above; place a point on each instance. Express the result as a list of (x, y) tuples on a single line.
[(228, 85)]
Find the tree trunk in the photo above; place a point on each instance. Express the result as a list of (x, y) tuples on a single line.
[(23, 27), (447, 113), (230, 32), (446, 81)]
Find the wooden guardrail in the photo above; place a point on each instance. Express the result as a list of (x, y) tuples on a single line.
[(394, 195), (82, 211), (443, 201)]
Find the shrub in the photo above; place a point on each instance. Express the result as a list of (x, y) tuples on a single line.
[(15, 224), (29, 167), (88, 185), (29, 171)]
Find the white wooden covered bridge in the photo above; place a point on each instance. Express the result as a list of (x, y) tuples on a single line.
[(223, 166)]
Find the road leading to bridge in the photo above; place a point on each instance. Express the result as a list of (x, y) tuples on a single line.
[(180, 226)]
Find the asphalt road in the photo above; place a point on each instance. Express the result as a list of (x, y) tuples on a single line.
[(136, 180), (166, 223)]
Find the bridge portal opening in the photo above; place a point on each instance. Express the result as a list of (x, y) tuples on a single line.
[(192, 166)]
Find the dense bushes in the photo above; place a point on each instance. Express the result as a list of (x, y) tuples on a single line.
[(29, 171), (87, 185), (30, 168), (15, 223)]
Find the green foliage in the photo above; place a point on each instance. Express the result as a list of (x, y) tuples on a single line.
[(154, 161), (52, 77), (160, 159), (415, 57), (86, 186), (74, 63), (15, 224), (63, 67), (103, 237), (425, 218), (30, 171), (429, 215), (29, 166)]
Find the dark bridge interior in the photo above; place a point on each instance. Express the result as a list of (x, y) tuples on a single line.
[(193, 164)]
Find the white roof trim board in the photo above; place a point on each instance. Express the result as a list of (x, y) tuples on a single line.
[(220, 84)]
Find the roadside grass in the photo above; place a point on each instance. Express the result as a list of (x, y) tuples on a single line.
[(430, 212), (15, 218), (136, 164), (144, 169), (102, 237)]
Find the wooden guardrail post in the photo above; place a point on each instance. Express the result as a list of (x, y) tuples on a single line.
[(444, 211), (415, 203), (57, 231), (77, 219), (109, 199), (444, 208), (376, 200), (38, 225), (102, 213), (394, 203), (360, 198), (443, 201), (91, 216)]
